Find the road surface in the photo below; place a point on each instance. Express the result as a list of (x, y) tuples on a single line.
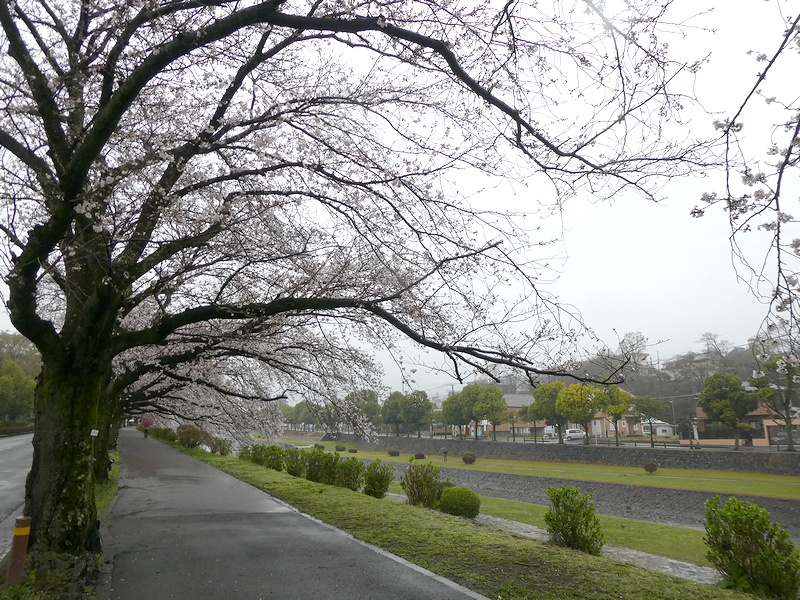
[(16, 453)]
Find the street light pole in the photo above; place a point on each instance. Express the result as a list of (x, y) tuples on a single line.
[(674, 422)]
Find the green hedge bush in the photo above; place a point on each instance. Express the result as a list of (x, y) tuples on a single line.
[(350, 473), (421, 484), (571, 520), (321, 466), (469, 457), (164, 433), (393, 452), (460, 501), (377, 478), (221, 446), (294, 461), (753, 554)]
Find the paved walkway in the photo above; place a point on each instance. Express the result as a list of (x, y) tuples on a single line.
[(182, 529)]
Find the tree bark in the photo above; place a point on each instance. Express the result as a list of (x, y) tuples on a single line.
[(59, 492)]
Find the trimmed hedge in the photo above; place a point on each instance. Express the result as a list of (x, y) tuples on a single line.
[(460, 501)]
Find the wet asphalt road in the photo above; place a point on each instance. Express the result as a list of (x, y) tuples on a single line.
[(181, 529), (16, 454)]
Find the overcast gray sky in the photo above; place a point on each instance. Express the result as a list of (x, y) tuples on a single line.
[(638, 266)]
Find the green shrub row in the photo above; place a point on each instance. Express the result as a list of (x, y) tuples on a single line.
[(323, 467), (191, 436), (469, 457), (423, 487), (163, 433)]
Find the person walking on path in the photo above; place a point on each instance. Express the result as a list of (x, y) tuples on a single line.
[(181, 529)]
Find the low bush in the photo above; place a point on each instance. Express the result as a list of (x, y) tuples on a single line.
[(294, 461), (163, 433), (420, 456), (393, 452), (271, 456), (352, 450), (460, 501), (443, 485), (753, 554), (221, 446), (321, 466), (421, 484), (651, 466), (571, 520), (246, 453), (191, 436), (469, 457), (340, 448), (350, 473), (320, 446), (377, 478)]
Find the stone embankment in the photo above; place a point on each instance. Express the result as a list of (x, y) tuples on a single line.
[(758, 460), (656, 505)]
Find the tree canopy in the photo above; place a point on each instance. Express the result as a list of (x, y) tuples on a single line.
[(725, 400), (545, 407), (214, 205)]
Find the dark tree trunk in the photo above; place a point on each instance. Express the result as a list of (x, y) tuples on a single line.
[(59, 493)]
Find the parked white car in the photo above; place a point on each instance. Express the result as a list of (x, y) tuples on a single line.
[(574, 434)]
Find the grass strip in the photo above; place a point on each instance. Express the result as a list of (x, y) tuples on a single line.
[(486, 560), (680, 543)]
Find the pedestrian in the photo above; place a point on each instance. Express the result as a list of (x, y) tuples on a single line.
[(444, 453)]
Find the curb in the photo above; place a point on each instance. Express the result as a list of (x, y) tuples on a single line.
[(102, 589)]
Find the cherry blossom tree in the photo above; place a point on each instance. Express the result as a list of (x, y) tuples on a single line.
[(760, 141), (212, 204)]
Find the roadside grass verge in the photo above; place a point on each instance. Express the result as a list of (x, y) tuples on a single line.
[(105, 492), (715, 482), (680, 543), (487, 560)]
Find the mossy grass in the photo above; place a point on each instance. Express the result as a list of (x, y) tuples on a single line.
[(104, 492), (497, 564)]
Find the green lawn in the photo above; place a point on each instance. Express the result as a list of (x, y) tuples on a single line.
[(487, 560), (715, 482)]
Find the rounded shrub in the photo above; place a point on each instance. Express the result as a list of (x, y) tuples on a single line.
[(443, 485), (352, 450), (469, 457), (320, 446), (340, 448), (377, 478), (393, 452), (651, 466), (420, 456), (460, 501)]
